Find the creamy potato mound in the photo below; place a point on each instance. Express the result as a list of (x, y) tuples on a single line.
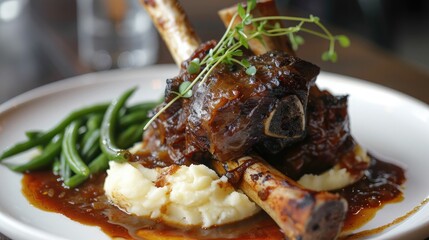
[(179, 195), (337, 177)]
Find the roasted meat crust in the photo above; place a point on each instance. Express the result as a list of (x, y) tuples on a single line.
[(228, 111), (165, 141), (225, 117)]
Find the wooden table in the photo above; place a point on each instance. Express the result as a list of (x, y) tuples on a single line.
[(53, 26)]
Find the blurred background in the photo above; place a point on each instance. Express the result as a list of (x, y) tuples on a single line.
[(48, 40)]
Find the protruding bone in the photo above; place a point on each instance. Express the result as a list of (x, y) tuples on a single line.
[(263, 8), (174, 27), (287, 120), (300, 213)]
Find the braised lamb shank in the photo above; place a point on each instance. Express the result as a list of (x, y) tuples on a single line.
[(232, 112), (241, 125)]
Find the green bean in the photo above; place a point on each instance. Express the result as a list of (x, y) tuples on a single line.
[(56, 166), (65, 171), (132, 118), (33, 134), (146, 106), (99, 164), (94, 121), (131, 135), (70, 151), (108, 129), (93, 152), (48, 135), (91, 145), (44, 159)]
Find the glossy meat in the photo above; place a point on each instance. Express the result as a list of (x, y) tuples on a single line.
[(165, 140), (228, 113)]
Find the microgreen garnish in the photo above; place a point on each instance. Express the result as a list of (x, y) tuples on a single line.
[(182, 89), (194, 66), (228, 50), (251, 70), (343, 40)]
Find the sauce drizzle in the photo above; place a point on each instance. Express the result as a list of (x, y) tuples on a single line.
[(377, 230)]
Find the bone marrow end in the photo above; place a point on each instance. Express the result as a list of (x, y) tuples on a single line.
[(326, 221)]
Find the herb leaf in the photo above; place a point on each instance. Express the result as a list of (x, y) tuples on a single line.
[(194, 66), (241, 11), (251, 4), (245, 63), (329, 56), (251, 70), (182, 89), (343, 40)]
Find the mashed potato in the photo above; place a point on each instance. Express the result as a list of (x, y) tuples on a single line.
[(180, 195), (337, 177)]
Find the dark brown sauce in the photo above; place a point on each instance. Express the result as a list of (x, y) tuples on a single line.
[(85, 204), (380, 185), (377, 230), (88, 205)]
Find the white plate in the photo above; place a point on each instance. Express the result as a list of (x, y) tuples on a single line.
[(385, 122)]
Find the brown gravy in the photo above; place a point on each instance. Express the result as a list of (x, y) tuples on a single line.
[(380, 185), (88, 205)]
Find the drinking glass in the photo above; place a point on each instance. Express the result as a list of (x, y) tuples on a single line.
[(115, 34)]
